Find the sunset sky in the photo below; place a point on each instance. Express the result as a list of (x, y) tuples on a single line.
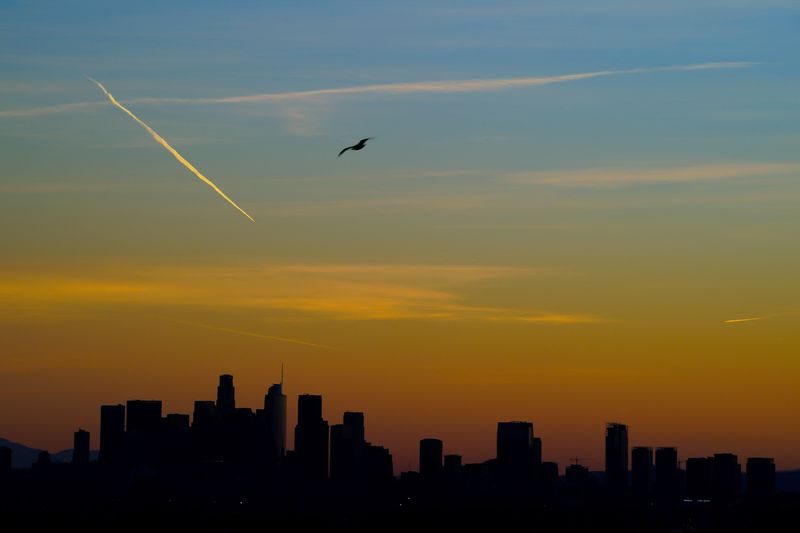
[(604, 227)]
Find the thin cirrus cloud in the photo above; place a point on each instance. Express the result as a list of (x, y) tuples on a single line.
[(441, 86), (307, 292)]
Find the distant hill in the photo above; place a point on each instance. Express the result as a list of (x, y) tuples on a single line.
[(23, 456)]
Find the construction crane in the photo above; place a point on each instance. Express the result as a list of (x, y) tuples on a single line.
[(576, 460)]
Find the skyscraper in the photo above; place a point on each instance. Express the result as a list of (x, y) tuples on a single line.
[(430, 457), (347, 448), (726, 476), (144, 416), (698, 478), (112, 433), (311, 438), (515, 444), (275, 414), (760, 478), (80, 448), (226, 399), (616, 456), (667, 483), (641, 472)]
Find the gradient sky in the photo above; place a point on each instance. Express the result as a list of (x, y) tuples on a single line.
[(570, 253)]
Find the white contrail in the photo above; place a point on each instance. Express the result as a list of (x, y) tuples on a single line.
[(749, 319), (160, 140), (445, 86)]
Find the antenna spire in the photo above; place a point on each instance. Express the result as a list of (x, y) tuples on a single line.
[(281, 374)]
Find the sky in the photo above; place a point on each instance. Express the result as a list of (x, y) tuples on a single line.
[(572, 213)]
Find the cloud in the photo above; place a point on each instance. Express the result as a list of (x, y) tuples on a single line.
[(440, 86), (308, 292), (676, 174), (748, 319), (257, 335)]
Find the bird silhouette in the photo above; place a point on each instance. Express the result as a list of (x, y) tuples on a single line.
[(358, 146)]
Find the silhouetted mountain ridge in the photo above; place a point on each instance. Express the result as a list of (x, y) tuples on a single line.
[(24, 456)]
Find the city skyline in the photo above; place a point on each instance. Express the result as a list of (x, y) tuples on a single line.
[(572, 212)]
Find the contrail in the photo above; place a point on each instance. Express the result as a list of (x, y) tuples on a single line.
[(443, 86), (258, 335), (160, 140), (749, 319)]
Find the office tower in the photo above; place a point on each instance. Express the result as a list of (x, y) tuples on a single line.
[(577, 478), (176, 422), (311, 438), (5, 460), (698, 478), (667, 482), (275, 420), (430, 457), (760, 478), (226, 400), (726, 476), (547, 480), (204, 414), (144, 416), (378, 465), (536, 449), (347, 448), (641, 472), (616, 456), (515, 444), (80, 448), (452, 467), (112, 434)]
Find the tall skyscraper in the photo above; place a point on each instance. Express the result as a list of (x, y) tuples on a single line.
[(348, 448), (311, 438), (112, 433), (760, 478), (275, 413), (698, 478), (616, 456), (80, 448), (144, 416), (226, 398), (430, 457), (726, 476), (515, 444), (667, 482), (641, 472)]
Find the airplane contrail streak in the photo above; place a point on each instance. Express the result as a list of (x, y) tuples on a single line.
[(749, 319), (257, 335), (160, 140), (441, 86)]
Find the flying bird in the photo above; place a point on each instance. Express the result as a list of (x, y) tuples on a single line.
[(358, 146)]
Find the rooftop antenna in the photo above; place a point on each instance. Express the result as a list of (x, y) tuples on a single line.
[(281, 374)]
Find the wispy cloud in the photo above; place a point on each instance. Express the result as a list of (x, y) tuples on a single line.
[(622, 176), (439, 86), (349, 292), (257, 335)]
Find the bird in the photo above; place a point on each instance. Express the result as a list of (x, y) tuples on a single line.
[(358, 146)]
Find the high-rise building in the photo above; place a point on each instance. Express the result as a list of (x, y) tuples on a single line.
[(641, 472), (347, 448), (536, 449), (452, 467), (726, 476), (311, 438), (698, 478), (760, 478), (667, 482), (204, 414), (275, 418), (616, 456), (80, 448), (112, 434), (144, 416), (515, 444), (226, 398), (430, 457)]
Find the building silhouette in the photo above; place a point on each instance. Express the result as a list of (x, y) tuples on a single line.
[(311, 439), (226, 397), (348, 448), (760, 478), (275, 420), (667, 480), (112, 434), (80, 448), (430, 458), (699, 475), (726, 478), (616, 465), (641, 472)]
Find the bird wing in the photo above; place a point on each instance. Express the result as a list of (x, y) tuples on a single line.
[(362, 141), (343, 151)]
